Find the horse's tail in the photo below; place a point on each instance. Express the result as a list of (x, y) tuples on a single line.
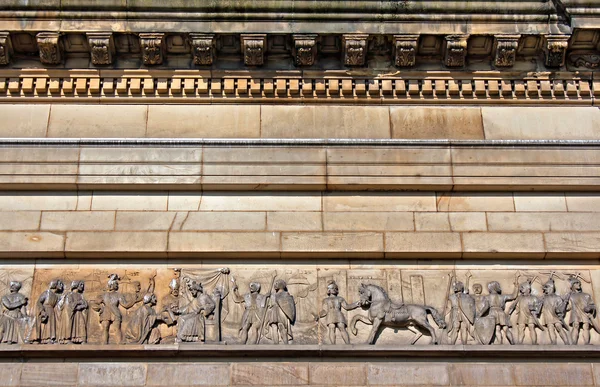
[(437, 317)]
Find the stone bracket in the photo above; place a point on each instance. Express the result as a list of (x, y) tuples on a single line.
[(153, 48), (5, 48), (49, 47), (556, 49), (506, 50), (355, 49), (405, 47), (253, 48), (455, 50), (203, 49), (102, 47), (305, 49)]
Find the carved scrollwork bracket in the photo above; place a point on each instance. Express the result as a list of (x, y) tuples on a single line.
[(556, 50), (49, 46), (455, 51), (305, 49), (5, 48), (589, 60), (102, 47), (153, 48), (406, 50), (506, 50), (355, 49), (203, 49), (253, 47)]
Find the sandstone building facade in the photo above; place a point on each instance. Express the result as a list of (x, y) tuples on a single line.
[(324, 193)]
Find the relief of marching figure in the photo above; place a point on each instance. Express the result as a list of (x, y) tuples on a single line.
[(73, 317), (254, 312), (14, 315), (332, 310), (583, 312), (462, 312), (44, 323), (280, 315)]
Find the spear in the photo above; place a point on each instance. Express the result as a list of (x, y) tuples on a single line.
[(268, 298)]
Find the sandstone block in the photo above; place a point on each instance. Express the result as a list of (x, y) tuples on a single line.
[(98, 121), (19, 220), (271, 374), (564, 374), (434, 122), (31, 201), (215, 242), (29, 120), (31, 243), (11, 374), (541, 123), (432, 221), (142, 201), (282, 121), (576, 244), (338, 374), (134, 155), (407, 374), (78, 220), (184, 201), (475, 374), (181, 374), (356, 243), (467, 221), (260, 202), (424, 201), (368, 221), (112, 374), (539, 202), (49, 374), (423, 244), (465, 202), (232, 221), (583, 202), (221, 121), (144, 221), (540, 221), (84, 200), (294, 221), (116, 242), (489, 244)]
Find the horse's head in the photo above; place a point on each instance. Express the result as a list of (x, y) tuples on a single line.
[(364, 295)]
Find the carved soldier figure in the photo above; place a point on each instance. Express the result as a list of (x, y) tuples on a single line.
[(281, 314), (73, 315), (553, 313), (462, 313), (142, 327), (528, 308), (169, 308), (108, 305), (192, 315), (495, 304), (254, 305), (45, 323), (13, 315), (332, 309), (583, 312)]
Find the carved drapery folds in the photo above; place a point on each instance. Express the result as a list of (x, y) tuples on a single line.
[(153, 48), (556, 50), (253, 48), (5, 48), (506, 50), (455, 51), (49, 46), (305, 49), (102, 47), (405, 50), (203, 49), (355, 49)]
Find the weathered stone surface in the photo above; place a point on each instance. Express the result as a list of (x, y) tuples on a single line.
[(213, 221), (31, 243), (181, 374), (540, 221), (526, 374), (11, 374), (368, 221), (49, 374), (332, 242), (97, 121), (475, 374), (583, 202), (538, 202), (574, 244), (338, 374), (146, 221), (31, 201), (19, 220), (111, 374), (465, 202), (294, 221), (259, 202), (379, 202), (406, 244), (78, 220), (432, 221), (407, 374), (116, 241), (147, 201), (24, 120), (503, 244), (273, 374), (438, 123), (468, 221), (215, 242)]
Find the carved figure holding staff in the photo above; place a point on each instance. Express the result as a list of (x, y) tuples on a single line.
[(528, 307), (553, 314), (496, 302), (332, 309), (583, 312), (281, 314), (462, 313), (254, 310)]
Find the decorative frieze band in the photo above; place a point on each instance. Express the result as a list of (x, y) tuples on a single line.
[(15, 87)]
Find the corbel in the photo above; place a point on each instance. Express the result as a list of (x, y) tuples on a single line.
[(506, 50), (556, 50), (355, 49), (455, 51), (153, 48), (102, 47), (5, 48), (49, 47), (253, 48), (305, 49), (406, 50), (203, 49)]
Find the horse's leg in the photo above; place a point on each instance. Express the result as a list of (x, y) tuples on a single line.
[(376, 324), (357, 318), (423, 323)]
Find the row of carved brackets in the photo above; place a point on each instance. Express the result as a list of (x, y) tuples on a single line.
[(355, 47)]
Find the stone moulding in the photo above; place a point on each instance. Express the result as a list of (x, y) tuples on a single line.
[(172, 87)]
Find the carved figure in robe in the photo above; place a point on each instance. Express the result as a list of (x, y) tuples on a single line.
[(169, 308), (142, 327), (191, 316), (528, 308), (45, 317), (495, 304), (281, 314), (73, 315), (14, 315), (583, 312), (462, 313), (254, 309), (108, 305), (553, 314), (332, 310)]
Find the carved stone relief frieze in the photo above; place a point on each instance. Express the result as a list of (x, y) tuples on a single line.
[(153, 48), (355, 49), (49, 47), (102, 47), (253, 48), (297, 305), (406, 50), (203, 49)]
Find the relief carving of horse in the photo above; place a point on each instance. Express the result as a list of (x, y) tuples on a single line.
[(385, 313)]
